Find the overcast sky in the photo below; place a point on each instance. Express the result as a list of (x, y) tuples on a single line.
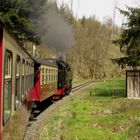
[(101, 8)]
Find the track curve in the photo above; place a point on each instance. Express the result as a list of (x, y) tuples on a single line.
[(44, 109)]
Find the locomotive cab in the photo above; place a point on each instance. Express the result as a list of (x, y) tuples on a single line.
[(64, 79), (68, 82), (61, 79)]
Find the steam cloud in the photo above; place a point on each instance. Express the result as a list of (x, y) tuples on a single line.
[(55, 31)]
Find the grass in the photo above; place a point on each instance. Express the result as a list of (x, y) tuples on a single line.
[(97, 113), (78, 82)]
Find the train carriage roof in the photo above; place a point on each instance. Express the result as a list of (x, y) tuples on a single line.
[(45, 62), (4, 27), (53, 62), (58, 62)]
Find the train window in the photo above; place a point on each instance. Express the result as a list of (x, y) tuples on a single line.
[(23, 66), (56, 76), (46, 79), (52, 75), (7, 64), (23, 80), (17, 65), (42, 79), (42, 70), (26, 77), (7, 90), (46, 76), (17, 90), (28, 69), (49, 76)]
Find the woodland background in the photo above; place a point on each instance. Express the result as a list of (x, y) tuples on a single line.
[(91, 51)]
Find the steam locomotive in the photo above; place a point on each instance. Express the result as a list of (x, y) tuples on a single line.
[(25, 80)]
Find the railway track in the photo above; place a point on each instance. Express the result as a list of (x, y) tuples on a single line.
[(75, 88), (45, 109)]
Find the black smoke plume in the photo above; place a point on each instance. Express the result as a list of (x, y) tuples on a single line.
[(55, 31)]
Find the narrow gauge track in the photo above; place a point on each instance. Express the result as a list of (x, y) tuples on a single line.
[(75, 88), (44, 109)]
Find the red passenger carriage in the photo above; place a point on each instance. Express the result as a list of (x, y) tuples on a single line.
[(46, 80), (24, 79), (16, 86)]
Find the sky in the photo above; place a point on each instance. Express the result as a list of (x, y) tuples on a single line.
[(100, 8)]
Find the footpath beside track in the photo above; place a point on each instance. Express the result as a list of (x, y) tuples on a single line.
[(45, 108)]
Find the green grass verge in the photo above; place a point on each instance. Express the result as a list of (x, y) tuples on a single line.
[(97, 113)]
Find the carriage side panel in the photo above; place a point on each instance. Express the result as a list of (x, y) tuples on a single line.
[(1, 68)]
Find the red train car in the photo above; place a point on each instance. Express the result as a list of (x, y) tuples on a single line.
[(54, 79), (24, 79), (45, 79), (16, 86)]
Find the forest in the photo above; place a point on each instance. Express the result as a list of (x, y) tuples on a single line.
[(92, 48)]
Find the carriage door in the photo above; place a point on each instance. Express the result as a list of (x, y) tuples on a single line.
[(17, 84), (7, 87)]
